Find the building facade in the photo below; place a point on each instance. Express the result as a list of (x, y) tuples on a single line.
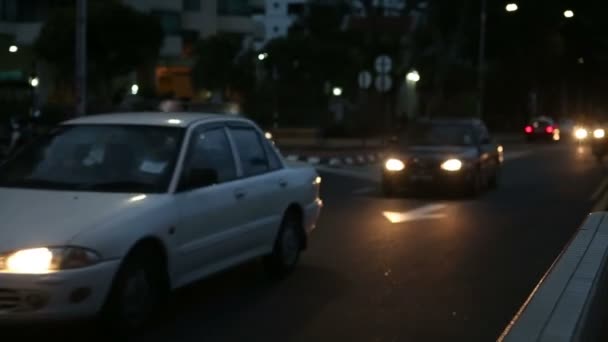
[(184, 22), (277, 18)]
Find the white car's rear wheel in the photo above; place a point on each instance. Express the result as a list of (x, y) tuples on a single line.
[(288, 246)]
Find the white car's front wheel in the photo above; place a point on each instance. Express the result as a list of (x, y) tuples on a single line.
[(288, 245), (138, 292)]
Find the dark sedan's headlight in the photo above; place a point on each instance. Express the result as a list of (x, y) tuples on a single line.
[(47, 260), (394, 165), (452, 165), (599, 133)]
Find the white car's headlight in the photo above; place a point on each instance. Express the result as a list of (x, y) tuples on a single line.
[(393, 164), (47, 260), (452, 165), (599, 133)]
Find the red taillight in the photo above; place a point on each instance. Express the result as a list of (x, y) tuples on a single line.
[(529, 129), (549, 129)]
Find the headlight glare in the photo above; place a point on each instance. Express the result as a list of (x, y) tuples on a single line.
[(47, 260), (393, 164), (599, 133), (452, 165), (581, 134), (32, 261)]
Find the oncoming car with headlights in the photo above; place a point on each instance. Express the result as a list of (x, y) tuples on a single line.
[(108, 214), (456, 155), (599, 142)]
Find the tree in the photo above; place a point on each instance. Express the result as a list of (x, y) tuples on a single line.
[(119, 39), (222, 64)]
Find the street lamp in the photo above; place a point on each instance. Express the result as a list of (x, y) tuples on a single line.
[(568, 14), (413, 76), (262, 56), (134, 89), (512, 7), (13, 49), (34, 82), (337, 91)]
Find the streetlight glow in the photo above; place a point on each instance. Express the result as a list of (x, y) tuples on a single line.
[(413, 76), (262, 56), (512, 7), (337, 91), (34, 82), (13, 49), (134, 89), (569, 14)]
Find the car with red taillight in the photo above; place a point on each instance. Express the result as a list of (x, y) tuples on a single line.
[(542, 129)]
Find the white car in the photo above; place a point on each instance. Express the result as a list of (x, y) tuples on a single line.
[(109, 213)]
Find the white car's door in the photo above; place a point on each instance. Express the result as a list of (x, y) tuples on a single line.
[(208, 200), (264, 184)]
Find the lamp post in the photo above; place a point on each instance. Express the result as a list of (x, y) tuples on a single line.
[(482, 56), (81, 57)]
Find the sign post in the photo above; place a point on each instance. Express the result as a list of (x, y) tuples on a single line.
[(384, 83)]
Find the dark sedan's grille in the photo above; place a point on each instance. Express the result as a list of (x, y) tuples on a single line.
[(422, 165), (9, 299)]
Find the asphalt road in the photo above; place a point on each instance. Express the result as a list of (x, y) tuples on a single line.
[(458, 275)]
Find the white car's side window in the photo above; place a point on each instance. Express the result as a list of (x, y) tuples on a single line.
[(251, 151), (209, 149)]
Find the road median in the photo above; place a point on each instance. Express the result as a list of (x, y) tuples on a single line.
[(570, 301)]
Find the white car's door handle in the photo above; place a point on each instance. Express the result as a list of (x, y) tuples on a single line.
[(239, 194), (283, 183)]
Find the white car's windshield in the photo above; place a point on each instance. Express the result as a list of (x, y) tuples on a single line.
[(112, 158)]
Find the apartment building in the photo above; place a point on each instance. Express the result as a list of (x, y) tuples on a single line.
[(277, 18)]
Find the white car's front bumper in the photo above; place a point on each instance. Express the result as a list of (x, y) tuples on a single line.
[(61, 295), (311, 215)]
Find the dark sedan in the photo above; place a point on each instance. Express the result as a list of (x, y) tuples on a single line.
[(456, 155)]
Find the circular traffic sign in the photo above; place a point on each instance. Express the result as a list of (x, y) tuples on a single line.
[(384, 83), (383, 64), (365, 79)]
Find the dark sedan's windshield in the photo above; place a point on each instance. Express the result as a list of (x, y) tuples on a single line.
[(112, 158), (439, 135)]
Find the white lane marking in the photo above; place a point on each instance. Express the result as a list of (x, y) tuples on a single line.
[(314, 160), (365, 191), (292, 157), (516, 155), (427, 212), (600, 190), (335, 161)]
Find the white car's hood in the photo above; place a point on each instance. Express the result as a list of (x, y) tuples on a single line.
[(37, 218)]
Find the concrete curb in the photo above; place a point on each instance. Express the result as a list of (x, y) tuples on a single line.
[(355, 159), (569, 303)]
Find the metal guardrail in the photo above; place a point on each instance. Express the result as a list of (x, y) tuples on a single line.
[(570, 302)]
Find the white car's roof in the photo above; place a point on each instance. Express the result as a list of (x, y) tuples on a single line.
[(149, 118)]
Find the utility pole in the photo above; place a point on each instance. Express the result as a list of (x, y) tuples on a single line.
[(81, 57), (482, 59)]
